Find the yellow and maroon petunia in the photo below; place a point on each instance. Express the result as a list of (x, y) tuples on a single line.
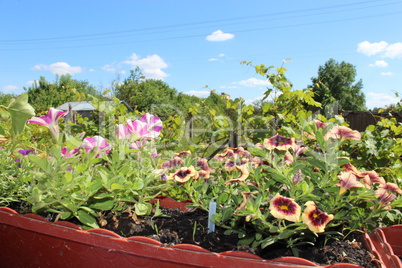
[(184, 174), (279, 142), (284, 208), (314, 218)]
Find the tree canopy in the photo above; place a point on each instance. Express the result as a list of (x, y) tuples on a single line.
[(44, 94), (336, 82)]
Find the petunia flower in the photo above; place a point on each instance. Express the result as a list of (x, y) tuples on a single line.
[(25, 152), (245, 172), (374, 177), (288, 158), (65, 152), (172, 163), (297, 176), (342, 132), (319, 125), (228, 152), (154, 124), (280, 143), (203, 164), (182, 154), (243, 204), (50, 120), (184, 174), (204, 174), (384, 193), (231, 165), (348, 180), (314, 218), (96, 143), (133, 130), (284, 208)]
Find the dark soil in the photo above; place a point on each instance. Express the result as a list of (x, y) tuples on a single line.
[(191, 228)]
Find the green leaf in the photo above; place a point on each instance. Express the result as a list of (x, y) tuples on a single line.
[(70, 206), (20, 111), (142, 208), (138, 184), (268, 241), (86, 219), (66, 215), (103, 204), (42, 163), (116, 186), (222, 198), (285, 234)]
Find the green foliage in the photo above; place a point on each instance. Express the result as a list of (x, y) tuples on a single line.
[(286, 106), (335, 83), (43, 94), (153, 96), (380, 149), (20, 111)]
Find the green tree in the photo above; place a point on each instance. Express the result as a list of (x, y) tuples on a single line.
[(336, 82), (44, 94), (6, 97), (148, 95)]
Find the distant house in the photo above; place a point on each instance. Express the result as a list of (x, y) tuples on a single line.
[(83, 108)]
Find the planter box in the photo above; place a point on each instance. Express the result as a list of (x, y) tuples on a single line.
[(31, 241), (387, 245)]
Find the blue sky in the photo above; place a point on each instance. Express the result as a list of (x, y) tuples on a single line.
[(192, 44)]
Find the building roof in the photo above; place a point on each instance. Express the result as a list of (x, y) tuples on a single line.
[(77, 106), (84, 106)]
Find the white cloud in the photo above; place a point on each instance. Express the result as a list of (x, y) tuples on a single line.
[(229, 87), (219, 36), (112, 68), (151, 66), (10, 88), (387, 50), (197, 93), (31, 82), (219, 56), (253, 100), (59, 68), (394, 51), (380, 100), (253, 82), (379, 63), (387, 73), (371, 49)]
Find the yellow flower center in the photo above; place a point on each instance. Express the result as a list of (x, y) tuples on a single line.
[(284, 207)]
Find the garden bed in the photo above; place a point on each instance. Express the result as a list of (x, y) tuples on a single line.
[(182, 226)]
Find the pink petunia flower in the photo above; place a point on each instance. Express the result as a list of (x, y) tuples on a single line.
[(154, 124), (385, 192), (96, 143), (284, 208), (133, 130), (314, 218), (342, 132), (374, 177), (348, 180), (65, 152), (50, 120)]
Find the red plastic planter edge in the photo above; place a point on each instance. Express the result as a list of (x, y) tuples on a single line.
[(31, 241)]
